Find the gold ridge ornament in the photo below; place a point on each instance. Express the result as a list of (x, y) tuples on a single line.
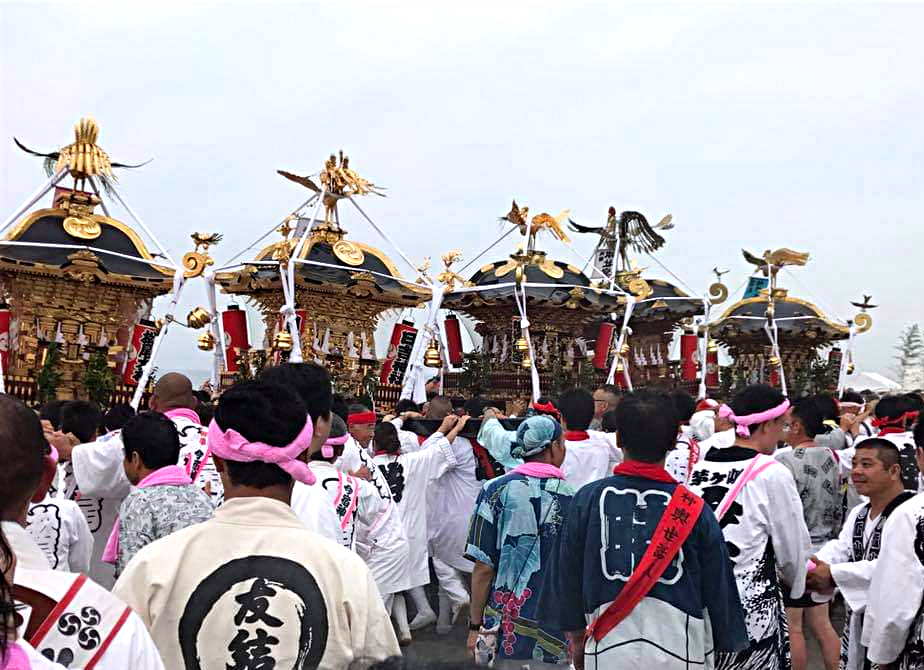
[(197, 260)]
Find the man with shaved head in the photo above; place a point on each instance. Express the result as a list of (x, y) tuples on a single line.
[(116, 633), (449, 504), (172, 391), (95, 469)]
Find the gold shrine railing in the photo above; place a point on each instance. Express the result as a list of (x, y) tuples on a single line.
[(26, 389)]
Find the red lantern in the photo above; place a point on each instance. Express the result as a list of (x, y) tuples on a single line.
[(234, 321), (140, 351), (4, 336), (602, 347), (453, 339), (774, 376), (688, 355), (399, 353), (712, 368)]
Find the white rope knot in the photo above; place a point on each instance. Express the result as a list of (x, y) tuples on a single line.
[(524, 323)]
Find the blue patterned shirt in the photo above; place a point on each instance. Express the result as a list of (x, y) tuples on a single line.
[(513, 530)]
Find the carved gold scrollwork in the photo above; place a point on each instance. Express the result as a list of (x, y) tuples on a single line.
[(718, 293), (863, 321), (195, 263)]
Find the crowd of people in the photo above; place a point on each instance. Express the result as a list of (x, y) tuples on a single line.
[(280, 525)]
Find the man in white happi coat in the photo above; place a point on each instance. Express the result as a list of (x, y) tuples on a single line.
[(893, 628), (409, 476), (67, 617), (760, 513), (847, 562), (94, 467), (61, 530), (255, 588), (589, 455), (359, 509), (449, 503), (312, 384), (686, 453)]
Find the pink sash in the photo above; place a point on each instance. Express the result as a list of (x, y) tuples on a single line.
[(15, 659), (351, 506), (757, 465)]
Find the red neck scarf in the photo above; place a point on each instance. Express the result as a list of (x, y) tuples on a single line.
[(576, 435), (651, 471)]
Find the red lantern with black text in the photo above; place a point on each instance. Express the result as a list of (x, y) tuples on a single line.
[(453, 339), (234, 321), (399, 353), (602, 347), (139, 353)]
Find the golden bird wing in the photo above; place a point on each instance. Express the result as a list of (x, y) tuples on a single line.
[(304, 181), (666, 223), (752, 259), (784, 256)]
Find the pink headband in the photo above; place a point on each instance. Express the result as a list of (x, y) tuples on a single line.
[(742, 422), (233, 446), (327, 451)]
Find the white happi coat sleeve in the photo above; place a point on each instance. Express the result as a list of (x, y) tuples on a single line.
[(609, 439), (851, 577), (81, 548), (371, 632), (98, 468), (895, 590), (788, 532), (441, 458), (142, 650)]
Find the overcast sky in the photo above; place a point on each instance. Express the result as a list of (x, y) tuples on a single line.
[(755, 126)]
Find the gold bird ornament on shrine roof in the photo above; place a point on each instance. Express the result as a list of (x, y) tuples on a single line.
[(83, 157), (775, 259), (519, 216)]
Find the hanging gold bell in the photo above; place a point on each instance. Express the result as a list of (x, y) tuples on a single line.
[(620, 367), (282, 341), (521, 344), (432, 358), (198, 318), (206, 341), (850, 368), (159, 325), (775, 361), (712, 347), (526, 364), (624, 349)]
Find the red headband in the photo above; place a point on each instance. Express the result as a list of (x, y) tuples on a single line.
[(361, 418), (548, 408), (896, 421)]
